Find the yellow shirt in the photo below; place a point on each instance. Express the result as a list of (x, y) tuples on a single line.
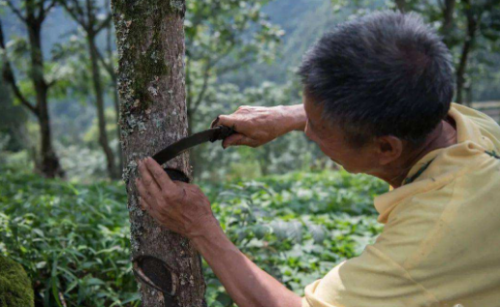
[(441, 242)]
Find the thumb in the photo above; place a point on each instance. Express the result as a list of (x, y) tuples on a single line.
[(225, 120)]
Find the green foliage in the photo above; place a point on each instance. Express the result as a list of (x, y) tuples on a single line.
[(73, 240), (296, 226), (290, 152), (221, 37)]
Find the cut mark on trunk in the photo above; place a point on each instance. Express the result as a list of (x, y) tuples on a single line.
[(157, 274), (177, 175)]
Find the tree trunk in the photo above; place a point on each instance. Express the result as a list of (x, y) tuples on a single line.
[(462, 66), (466, 49), (150, 39), (400, 4), (101, 118), (114, 88), (116, 102), (446, 29), (49, 166)]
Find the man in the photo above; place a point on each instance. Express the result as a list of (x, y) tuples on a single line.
[(377, 100)]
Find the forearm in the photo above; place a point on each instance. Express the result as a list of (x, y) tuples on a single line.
[(295, 117), (247, 284)]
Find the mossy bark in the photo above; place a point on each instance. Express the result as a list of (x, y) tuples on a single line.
[(15, 286), (150, 39)]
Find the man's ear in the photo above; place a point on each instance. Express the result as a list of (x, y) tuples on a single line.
[(389, 148)]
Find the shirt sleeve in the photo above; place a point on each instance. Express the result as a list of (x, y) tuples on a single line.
[(370, 280)]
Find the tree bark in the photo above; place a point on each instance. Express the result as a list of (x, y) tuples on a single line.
[(101, 118), (151, 50)]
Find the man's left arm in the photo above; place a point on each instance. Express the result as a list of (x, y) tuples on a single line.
[(183, 208)]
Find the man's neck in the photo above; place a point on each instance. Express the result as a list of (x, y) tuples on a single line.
[(443, 136)]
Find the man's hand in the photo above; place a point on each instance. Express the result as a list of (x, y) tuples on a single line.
[(183, 208), (256, 126), (179, 206)]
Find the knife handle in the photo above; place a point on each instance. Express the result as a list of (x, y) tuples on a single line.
[(222, 132)]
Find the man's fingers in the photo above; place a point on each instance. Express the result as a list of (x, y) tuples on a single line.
[(226, 120), (148, 181), (161, 219), (159, 175), (232, 140), (143, 193), (144, 204), (239, 139)]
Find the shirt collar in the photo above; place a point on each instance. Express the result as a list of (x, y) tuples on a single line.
[(468, 136)]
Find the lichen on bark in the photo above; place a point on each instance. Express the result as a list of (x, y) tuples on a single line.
[(142, 62), (150, 39), (15, 286)]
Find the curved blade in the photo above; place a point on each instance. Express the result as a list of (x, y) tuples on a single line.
[(177, 148)]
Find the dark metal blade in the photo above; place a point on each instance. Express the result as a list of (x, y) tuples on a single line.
[(177, 148)]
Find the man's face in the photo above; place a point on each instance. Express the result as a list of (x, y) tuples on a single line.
[(332, 142)]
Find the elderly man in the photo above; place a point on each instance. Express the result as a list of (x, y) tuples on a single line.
[(377, 100)]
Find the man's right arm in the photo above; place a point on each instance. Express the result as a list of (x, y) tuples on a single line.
[(256, 126)]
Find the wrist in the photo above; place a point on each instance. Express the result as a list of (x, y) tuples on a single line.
[(294, 117), (204, 231)]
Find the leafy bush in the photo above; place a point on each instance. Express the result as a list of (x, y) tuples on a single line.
[(73, 240)]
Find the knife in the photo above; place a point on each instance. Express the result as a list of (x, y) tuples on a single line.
[(177, 148)]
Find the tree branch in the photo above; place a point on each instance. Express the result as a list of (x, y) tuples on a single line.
[(229, 68), (9, 77), (201, 94), (51, 83), (49, 7), (103, 24), (41, 11), (441, 4), (206, 76), (74, 12), (448, 9), (107, 66), (15, 10)]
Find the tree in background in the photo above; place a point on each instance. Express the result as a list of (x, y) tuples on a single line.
[(87, 14), (482, 19), (466, 26), (108, 62), (150, 37), (12, 120), (222, 37), (32, 14)]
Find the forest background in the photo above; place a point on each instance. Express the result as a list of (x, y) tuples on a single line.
[(289, 208)]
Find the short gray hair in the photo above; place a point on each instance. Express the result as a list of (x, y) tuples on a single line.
[(386, 73)]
